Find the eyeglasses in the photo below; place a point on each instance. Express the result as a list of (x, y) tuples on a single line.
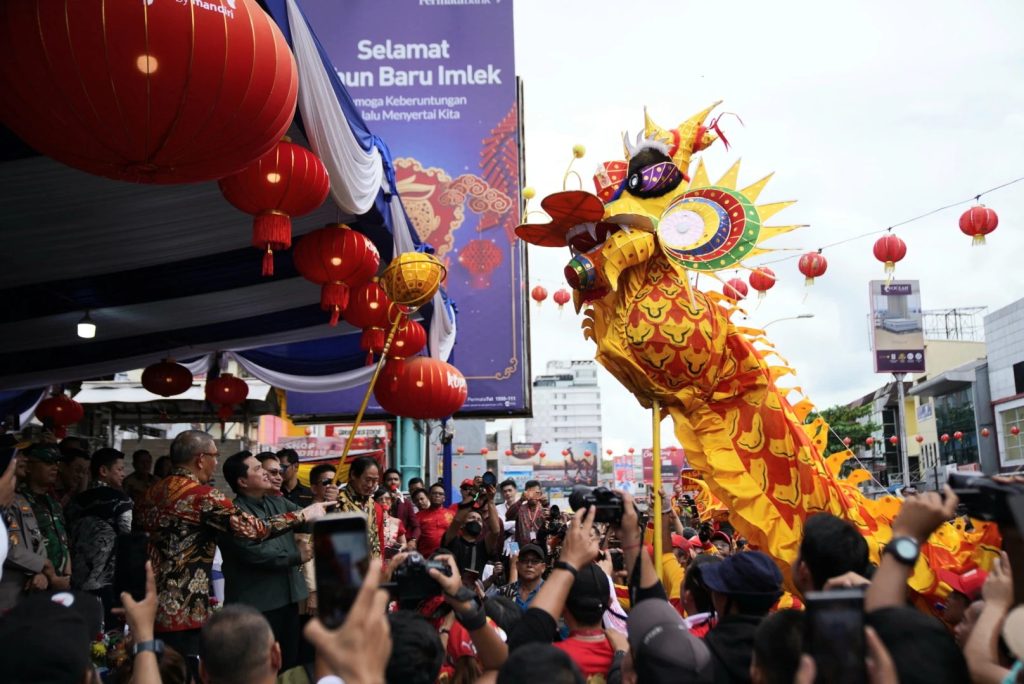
[(215, 454), (273, 472), (325, 482)]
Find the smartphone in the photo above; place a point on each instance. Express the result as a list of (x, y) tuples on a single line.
[(513, 548), (341, 559), (834, 635), (131, 551)]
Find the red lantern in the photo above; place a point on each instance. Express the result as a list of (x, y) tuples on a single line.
[(410, 339), (985, 432), (735, 289), (460, 450), (167, 378), (337, 258), (919, 438), (149, 92), (587, 453), (630, 450), (480, 257), (425, 389), (889, 249), (508, 452), (287, 181), (59, 411), (226, 391), (608, 451), (847, 441), (371, 309), (561, 297), (944, 438), (958, 436), (565, 452), (542, 454), (894, 440), (484, 451), (812, 265), (539, 294), (1015, 431), (762, 279), (870, 441), (978, 222), (531, 451)]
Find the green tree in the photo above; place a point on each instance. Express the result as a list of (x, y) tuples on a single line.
[(844, 423)]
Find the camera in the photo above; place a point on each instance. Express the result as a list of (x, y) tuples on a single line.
[(984, 499), (609, 504), (412, 582), (479, 494)]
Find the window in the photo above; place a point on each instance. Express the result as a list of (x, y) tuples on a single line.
[(1014, 443), (1018, 377)]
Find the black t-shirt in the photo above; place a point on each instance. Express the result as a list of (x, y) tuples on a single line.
[(471, 556), (301, 496)]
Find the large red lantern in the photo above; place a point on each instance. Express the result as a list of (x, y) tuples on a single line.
[(150, 92), (226, 392), (889, 249), (287, 181), (59, 411), (337, 258), (371, 309), (561, 297), (167, 378), (480, 257), (539, 294), (410, 339), (812, 265), (762, 279), (425, 389), (978, 222), (735, 289)]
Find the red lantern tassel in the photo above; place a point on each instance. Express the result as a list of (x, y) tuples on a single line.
[(979, 240), (271, 230), (225, 411), (334, 298), (373, 339), (808, 281), (369, 358)]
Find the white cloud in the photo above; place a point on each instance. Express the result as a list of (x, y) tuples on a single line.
[(869, 112)]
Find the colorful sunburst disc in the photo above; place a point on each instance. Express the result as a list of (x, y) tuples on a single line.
[(709, 229)]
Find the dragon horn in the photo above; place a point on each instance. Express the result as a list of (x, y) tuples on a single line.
[(628, 147)]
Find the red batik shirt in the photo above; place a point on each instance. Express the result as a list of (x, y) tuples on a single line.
[(183, 518)]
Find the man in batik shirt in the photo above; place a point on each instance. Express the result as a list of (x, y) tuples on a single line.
[(357, 497), (183, 515)]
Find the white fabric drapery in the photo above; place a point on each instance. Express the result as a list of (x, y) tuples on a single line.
[(305, 383), (355, 173)]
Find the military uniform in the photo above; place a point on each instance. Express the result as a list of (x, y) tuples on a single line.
[(26, 553)]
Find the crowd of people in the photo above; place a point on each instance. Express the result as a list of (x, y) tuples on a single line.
[(522, 592)]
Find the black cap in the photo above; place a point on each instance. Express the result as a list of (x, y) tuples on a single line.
[(590, 591), (746, 574), (535, 549), (46, 638)]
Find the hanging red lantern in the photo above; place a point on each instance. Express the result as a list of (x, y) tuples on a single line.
[(410, 339), (812, 265), (894, 440), (508, 452), (870, 441), (531, 451), (542, 455), (608, 451), (889, 249), (287, 181), (149, 92), (226, 391), (944, 438), (167, 378), (985, 432), (1014, 430), (425, 389), (460, 450), (587, 453), (565, 452), (847, 441), (919, 438), (370, 308), (958, 436), (561, 297), (484, 451), (59, 411), (480, 258), (762, 279), (539, 294), (337, 258), (735, 289), (978, 222)]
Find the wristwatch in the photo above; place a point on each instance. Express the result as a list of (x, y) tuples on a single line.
[(562, 565), (154, 645), (904, 549)]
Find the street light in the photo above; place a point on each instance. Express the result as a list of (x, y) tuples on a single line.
[(788, 318)]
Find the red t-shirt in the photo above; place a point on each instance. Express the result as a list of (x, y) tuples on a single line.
[(434, 523), (594, 658)]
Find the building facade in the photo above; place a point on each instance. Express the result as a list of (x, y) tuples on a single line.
[(1004, 335), (566, 403)]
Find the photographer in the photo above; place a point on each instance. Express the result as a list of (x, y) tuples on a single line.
[(530, 514), (471, 543)]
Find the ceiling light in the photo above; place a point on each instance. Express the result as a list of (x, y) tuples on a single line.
[(86, 327)]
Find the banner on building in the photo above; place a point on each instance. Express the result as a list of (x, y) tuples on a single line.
[(556, 463), (897, 333), (371, 439), (436, 82), (673, 460)]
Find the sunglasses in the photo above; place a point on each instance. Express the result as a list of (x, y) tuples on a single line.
[(325, 482)]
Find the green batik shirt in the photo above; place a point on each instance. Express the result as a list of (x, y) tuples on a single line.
[(51, 524)]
